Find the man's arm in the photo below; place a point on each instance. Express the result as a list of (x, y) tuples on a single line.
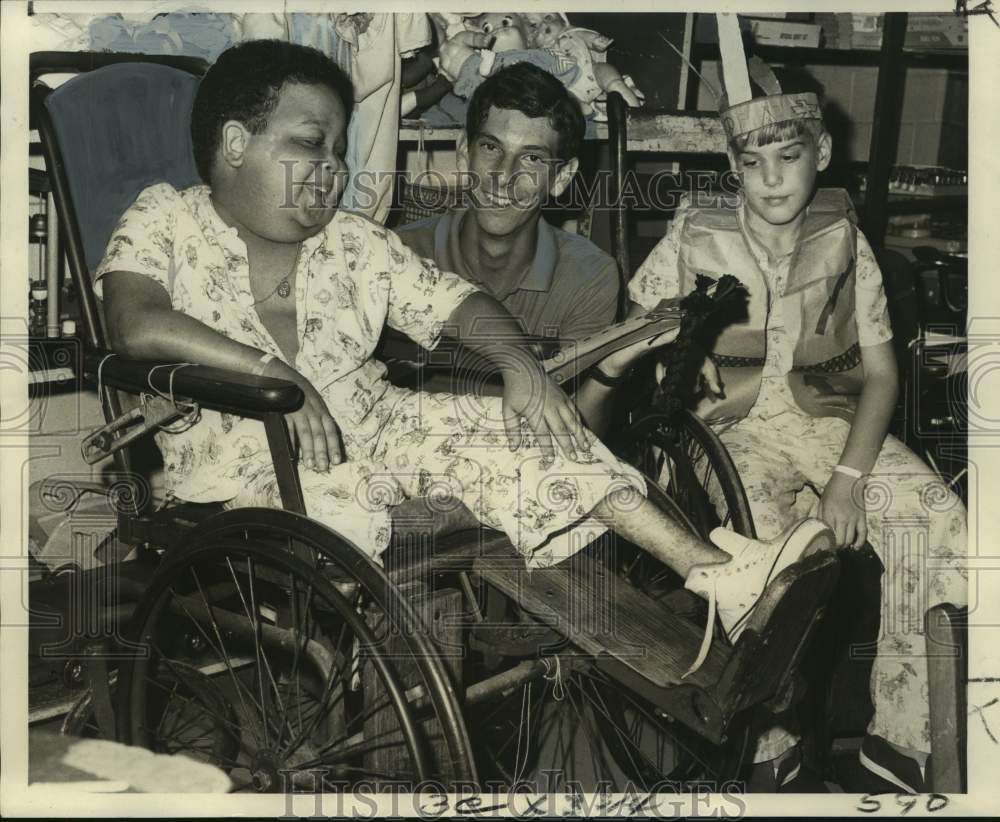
[(655, 279), (424, 300), (166, 334), (596, 400)]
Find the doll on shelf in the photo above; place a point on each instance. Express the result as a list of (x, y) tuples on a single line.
[(587, 49), (488, 42)]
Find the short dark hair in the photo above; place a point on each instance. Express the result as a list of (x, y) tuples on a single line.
[(534, 92), (244, 84)]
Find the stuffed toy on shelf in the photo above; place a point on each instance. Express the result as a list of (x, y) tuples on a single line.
[(587, 49), (482, 44)]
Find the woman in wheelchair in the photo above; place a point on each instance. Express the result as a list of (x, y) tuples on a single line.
[(257, 271)]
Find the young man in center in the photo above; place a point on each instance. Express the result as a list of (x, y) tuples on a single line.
[(518, 152)]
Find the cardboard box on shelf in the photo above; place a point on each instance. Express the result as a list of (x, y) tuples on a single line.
[(792, 29), (837, 29), (783, 33), (936, 40), (936, 22), (932, 31), (923, 31)]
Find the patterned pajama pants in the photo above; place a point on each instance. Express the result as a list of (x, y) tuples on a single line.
[(444, 447), (915, 524)]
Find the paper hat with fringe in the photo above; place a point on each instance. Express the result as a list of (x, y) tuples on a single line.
[(742, 113)]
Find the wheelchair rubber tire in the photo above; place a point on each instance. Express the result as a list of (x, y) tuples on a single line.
[(314, 558)]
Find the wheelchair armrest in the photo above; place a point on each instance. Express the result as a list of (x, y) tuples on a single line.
[(215, 388)]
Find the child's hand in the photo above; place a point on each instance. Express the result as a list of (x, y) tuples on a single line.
[(532, 394), (618, 362), (709, 380), (314, 432), (844, 511)]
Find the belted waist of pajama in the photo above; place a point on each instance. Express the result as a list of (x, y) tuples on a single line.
[(835, 365)]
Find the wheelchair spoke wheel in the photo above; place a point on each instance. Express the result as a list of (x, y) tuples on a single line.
[(295, 677), (689, 461), (197, 720), (582, 732)]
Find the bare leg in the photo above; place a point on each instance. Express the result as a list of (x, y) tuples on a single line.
[(652, 530)]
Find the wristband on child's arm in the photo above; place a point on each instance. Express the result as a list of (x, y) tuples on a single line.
[(850, 472)]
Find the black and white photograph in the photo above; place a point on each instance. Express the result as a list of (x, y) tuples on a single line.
[(498, 413)]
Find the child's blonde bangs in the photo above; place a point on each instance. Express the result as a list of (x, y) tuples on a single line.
[(778, 133)]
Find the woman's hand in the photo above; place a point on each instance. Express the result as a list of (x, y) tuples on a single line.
[(315, 435), (843, 511), (530, 393)]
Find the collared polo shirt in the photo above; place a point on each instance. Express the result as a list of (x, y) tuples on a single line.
[(569, 291)]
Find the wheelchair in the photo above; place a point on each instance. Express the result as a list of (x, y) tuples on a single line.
[(264, 643)]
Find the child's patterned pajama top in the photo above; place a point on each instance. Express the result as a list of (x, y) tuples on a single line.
[(785, 457)]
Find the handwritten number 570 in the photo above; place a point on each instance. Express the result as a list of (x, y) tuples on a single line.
[(932, 802)]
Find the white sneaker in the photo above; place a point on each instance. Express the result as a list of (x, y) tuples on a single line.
[(735, 587)]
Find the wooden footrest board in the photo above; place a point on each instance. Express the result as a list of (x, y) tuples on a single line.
[(601, 613)]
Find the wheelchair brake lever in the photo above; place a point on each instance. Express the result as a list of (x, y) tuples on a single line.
[(150, 414)]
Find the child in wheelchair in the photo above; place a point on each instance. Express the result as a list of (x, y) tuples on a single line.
[(801, 391), (257, 271)]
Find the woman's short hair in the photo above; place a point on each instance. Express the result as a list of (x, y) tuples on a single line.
[(244, 84)]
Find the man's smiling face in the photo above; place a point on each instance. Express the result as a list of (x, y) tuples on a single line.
[(514, 167)]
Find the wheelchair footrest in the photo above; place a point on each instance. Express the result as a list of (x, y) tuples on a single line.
[(769, 651), (601, 613)]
